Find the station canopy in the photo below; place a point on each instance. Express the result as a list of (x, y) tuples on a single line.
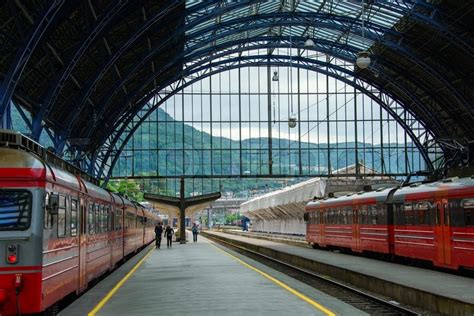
[(84, 69)]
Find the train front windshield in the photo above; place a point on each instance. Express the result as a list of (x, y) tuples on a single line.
[(15, 209)]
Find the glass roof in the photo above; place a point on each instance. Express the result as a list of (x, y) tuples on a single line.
[(333, 21)]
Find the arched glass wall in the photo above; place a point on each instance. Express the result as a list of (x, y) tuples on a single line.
[(235, 124)]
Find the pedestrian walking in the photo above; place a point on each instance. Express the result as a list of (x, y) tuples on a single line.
[(158, 234), (169, 232), (195, 231)]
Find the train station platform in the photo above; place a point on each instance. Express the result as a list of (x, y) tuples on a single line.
[(202, 279), (432, 288)]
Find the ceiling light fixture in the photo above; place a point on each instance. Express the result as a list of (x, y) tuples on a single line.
[(363, 59)]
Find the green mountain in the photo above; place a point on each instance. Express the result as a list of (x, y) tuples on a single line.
[(171, 148), (185, 149)]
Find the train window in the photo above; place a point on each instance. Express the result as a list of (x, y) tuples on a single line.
[(425, 210), (349, 214), (68, 216), (339, 216), (62, 216), (372, 214), (105, 219), (456, 213), (382, 214), (73, 217), (468, 206), (91, 219), (109, 219), (102, 219), (343, 217), (118, 219), (399, 215), (97, 218), (363, 215), (409, 212), (48, 217), (15, 209)]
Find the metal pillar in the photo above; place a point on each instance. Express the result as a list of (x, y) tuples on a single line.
[(209, 217), (179, 205), (182, 214), (6, 118)]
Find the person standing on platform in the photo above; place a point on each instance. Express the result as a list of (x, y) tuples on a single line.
[(158, 234), (195, 231), (169, 232)]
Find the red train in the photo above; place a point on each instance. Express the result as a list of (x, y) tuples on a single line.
[(432, 221), (57, 230)]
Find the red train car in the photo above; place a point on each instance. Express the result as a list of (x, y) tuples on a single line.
[(58, 230), (431, 221)]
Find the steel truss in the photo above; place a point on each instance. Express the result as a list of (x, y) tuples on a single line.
[(125, 131)]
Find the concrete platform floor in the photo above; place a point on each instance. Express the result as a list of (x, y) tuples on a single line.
[(440, 283), (202, 279)]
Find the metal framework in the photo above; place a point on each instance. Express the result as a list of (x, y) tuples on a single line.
[(85, 70), (382, 100)]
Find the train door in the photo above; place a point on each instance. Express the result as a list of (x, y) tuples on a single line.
[(124, 225), (322, 220), (110, 234), (82, 245), (356, 229), (144, 224), (442, 231)]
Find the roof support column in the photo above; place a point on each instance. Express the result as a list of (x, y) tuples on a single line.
[(269, 94), (6, 118), (182, 212)]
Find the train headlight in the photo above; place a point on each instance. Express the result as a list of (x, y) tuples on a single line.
[(12, 254)]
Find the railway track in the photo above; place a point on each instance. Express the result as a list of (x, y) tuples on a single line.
[(366, 302)]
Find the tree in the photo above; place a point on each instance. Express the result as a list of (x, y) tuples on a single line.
[(231, 218), (127, 187)]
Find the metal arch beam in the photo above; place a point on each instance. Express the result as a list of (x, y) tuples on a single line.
[(129, 135), (244, 24), (112, 12), (237, 64), (430, 20), (88, 90), (55, 88), (315, 19), (145, 59), (407, 10), (302, 17), (389, 43), (114, 58), (339, 54), (46, 19), (296, 18), (104, 102), (349, 73)]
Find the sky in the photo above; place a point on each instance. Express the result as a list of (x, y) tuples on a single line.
[(313, 108)]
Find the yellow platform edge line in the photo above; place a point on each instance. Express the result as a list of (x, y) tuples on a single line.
[(283, 285), (118, 285)]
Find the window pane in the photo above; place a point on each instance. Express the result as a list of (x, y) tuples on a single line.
[(90, 220), (15, 209), (61, 221)]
